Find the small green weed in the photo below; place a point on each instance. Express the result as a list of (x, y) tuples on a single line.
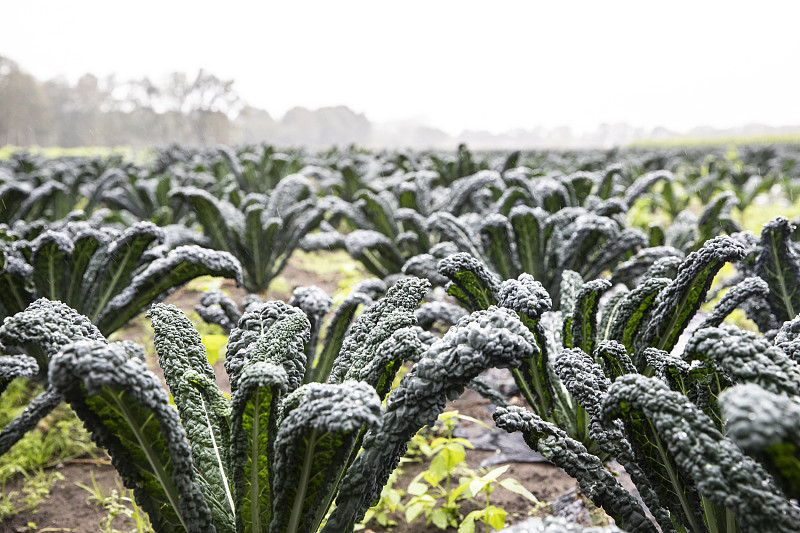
[(433, 490), (490, 515), (119, 504), (35, 489), (60, 436), (439, 492)]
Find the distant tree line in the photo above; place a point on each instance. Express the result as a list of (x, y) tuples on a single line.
[(202, 109), (198, 109)]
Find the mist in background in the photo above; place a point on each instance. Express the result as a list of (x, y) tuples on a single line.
[(516, 74)]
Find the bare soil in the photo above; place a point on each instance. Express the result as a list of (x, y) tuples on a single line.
[(67, 509)]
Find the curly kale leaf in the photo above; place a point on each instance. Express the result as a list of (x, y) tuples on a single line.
[(437, 311), (608, 313), (595, 481), (551, 194), (468, 190), (716, 217), (666, 267), (89, 246), (530, 301), (14, 294), (738, 294), (43, 329), (586, 382), (274, 333), (51, 253), (571, 283), (583, 330), (402, 345), (362, 295), (614, 358), (379, 211), (313, 445), (746, 358), (363, 342), (589, 234), (644, 183), (262, 231), (255, 410), (700, 476), (424, 266), (680, 300), (497, 238), (779, 266), (218, 308), (128, 413), (375, 250), (220, 219), (524, 295), (26, 421), (634, 312), (530, 234), (632, 271), (12, 196), (471, 282), (179, 266), (618, 249), (788, 339), (456, 231), (103, 274), (12, 367), (117, 268), (766, 426), (203, 409), (484, 339), (315, 303)]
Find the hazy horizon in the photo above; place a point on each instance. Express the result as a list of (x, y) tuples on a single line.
[(450, 65)]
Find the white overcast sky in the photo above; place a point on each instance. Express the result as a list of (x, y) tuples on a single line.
[(453, 64)]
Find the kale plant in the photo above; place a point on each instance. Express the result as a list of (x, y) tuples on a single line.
[(276, 455), (107, 275), (263, 231)]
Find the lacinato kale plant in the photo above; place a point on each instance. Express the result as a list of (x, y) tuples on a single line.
[(278, 453), (107, 275), (263, 231), (30, 339)]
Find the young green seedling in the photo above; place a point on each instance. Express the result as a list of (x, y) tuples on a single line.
[(435, 484), (490, 515)]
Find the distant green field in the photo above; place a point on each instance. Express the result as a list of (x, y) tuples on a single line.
[(782, 138), (128, 153)]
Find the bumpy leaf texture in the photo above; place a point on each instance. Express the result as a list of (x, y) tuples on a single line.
[(270, 322), (746, 357), (779, 265), (670, 433), (471, 282), (484, 339), (740, 293), (43, 329), (595, 481), (203, 409), (362, 343), (788, 339), (767, 426), (681, 299), (312, 448), (128, 413)]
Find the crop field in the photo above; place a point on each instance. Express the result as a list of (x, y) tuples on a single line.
[(257, 339)]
